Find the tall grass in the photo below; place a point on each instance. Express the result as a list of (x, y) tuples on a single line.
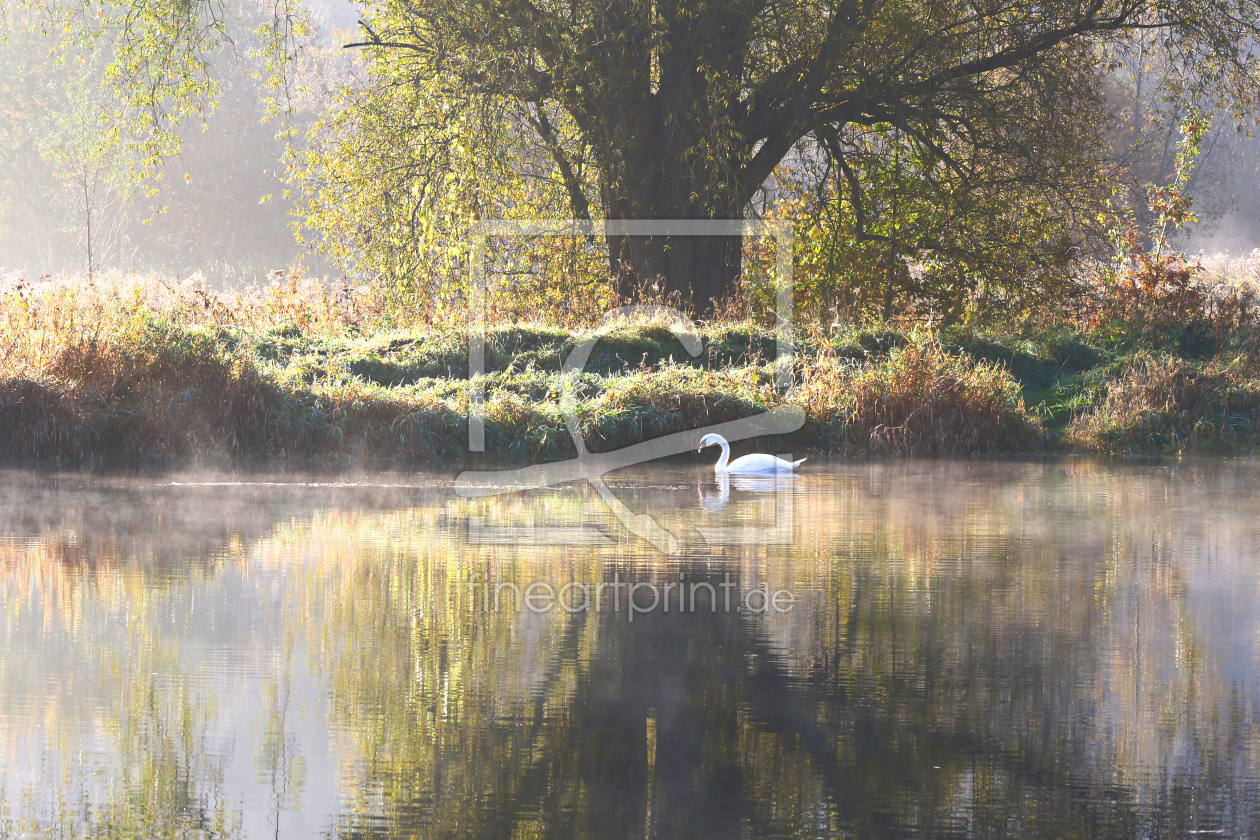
[(919, 398), (1166, 404), (131, 371)]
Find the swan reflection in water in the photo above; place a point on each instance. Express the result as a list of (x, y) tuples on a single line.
[(772, 483)]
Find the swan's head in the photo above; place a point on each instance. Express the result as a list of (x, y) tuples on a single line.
[(709, 440)]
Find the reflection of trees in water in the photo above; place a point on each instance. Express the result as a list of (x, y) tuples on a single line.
[(122, 743), (968, 664), (92, 577), (979, 650)]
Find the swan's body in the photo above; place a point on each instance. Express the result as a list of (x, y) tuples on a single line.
[(758, 464)]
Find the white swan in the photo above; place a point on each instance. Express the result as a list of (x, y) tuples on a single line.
[(758, 464)]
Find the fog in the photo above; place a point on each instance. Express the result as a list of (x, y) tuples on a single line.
[(67, 191), (1227, 195)]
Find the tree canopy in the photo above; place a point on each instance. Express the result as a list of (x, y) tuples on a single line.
[(963, 139), (685, 109)]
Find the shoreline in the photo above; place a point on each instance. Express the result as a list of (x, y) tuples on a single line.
[(163, 395), (284, 476)]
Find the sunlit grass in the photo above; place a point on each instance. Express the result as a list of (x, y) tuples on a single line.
[(142, 371)]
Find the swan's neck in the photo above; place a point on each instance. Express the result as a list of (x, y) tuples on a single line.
[(726, 453)]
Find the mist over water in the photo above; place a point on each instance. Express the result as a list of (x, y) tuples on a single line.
[(1014, 649)]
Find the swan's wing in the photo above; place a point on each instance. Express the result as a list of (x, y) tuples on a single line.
[(758, 463)]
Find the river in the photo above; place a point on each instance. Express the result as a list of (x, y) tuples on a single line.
[(917, 648)]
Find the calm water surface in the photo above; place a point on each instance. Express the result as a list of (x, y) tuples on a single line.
[(976, 649)]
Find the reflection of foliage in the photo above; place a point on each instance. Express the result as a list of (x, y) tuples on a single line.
[(421, 679), (962, 658), (279, 756), (158, 776), (168, 783), (903, 696)]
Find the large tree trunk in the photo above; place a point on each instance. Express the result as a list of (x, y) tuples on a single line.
[(695, 273), (658, 159)]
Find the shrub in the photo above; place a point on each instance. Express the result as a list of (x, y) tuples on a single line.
[(149, 395), (1166, 404), (921, 399)]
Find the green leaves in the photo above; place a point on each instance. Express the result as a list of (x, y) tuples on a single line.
[(958, 144)]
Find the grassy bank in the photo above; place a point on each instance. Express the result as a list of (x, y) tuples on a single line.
[(137, 373)]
